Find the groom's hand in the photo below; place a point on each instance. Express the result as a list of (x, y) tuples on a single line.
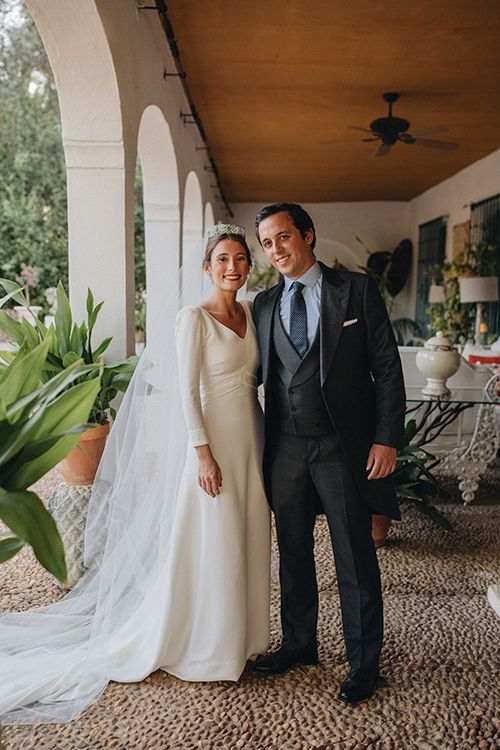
[(381, 461)]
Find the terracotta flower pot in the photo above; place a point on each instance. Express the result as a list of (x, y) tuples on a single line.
[(380, 529), (80, 466)]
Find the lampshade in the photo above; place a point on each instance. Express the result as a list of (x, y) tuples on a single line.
[(436, 294), (478, 288)]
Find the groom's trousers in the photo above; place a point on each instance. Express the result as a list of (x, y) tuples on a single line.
[(302, 470)]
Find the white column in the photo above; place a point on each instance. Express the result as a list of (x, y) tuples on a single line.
[(192, 258), (162, 238), (100, 252)]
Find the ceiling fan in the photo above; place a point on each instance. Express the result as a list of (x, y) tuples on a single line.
[(391, 129)]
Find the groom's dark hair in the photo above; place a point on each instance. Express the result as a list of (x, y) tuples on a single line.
[(299, 216)]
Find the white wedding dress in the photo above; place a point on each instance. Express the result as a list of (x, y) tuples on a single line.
[(217, 614), (177, 580)]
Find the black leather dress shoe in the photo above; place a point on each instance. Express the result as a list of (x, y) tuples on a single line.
[(282, 660), (358, 686)]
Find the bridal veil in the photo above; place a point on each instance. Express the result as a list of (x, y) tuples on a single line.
[(56, 660)]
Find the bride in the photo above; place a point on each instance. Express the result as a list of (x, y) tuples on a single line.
[(177, 544)]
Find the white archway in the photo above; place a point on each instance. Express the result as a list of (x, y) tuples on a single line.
[(161, 211), (100, 247), (192, 234)]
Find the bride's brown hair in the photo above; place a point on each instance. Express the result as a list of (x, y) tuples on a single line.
[(214, 241)]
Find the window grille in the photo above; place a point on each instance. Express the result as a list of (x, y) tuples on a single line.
[(485, 225), (431, 251)]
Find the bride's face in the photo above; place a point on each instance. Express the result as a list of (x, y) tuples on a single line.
[(228, 266)]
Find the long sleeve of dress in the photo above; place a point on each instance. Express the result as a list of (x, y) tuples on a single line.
[(189, 340)]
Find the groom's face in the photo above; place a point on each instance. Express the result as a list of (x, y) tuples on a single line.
[(284, 246)]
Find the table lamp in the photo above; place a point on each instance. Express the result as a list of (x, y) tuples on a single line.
[(437, 294), (478, 289)]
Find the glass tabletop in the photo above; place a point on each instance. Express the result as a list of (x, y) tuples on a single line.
[(458, 396)]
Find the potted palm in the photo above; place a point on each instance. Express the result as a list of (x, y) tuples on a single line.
[(74, 341), (40, 423), (69, 342)]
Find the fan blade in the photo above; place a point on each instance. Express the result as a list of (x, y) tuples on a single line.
[(443, 145), (363, 130), (368, 140), (350, 140), (429, 131), (406, 138), (383, 149)]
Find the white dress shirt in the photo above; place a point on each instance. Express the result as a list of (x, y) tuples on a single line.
[(312, 280)]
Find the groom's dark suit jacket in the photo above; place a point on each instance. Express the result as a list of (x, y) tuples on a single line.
[(360, 373)]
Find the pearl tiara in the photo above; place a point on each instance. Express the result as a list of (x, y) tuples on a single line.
[(218, 229)]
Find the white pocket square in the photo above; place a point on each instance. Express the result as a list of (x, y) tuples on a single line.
[(350, 322)]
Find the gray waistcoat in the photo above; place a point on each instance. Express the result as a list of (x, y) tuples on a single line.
[(297, 402)]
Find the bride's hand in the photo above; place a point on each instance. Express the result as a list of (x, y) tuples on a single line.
[(209, 474)]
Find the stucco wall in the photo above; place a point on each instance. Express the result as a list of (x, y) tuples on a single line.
[(108, 59), (382, 225), (452, 199), (345, 231)]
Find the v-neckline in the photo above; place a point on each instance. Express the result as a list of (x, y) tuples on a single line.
[(241, 338)]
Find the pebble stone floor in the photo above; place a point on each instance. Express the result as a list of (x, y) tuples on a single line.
[(440, 660)]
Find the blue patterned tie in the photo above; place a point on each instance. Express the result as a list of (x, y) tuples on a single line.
[(298, 319)]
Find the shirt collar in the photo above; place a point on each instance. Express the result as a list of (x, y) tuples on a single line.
[(309, 278)]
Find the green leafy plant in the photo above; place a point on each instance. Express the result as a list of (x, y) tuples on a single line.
[(408, 332), (479, 259), (262, 276), (140, 315), (453, 317), (67, 343), (414, 480), (39, 425), (33, 203)]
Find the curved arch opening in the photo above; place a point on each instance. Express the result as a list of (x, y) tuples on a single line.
[(100, 249), (209, 217), (157, 262)]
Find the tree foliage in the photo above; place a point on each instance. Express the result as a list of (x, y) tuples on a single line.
[(33, 204), (33, 214)]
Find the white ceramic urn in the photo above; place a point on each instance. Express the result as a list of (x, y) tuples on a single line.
[(438, 361)]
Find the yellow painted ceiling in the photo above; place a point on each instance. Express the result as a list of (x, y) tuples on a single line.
[(273, 80)]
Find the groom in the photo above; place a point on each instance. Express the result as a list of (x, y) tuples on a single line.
[(334, 417)]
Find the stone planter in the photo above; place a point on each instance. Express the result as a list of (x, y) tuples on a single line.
[(68, 507), (80, 466)]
